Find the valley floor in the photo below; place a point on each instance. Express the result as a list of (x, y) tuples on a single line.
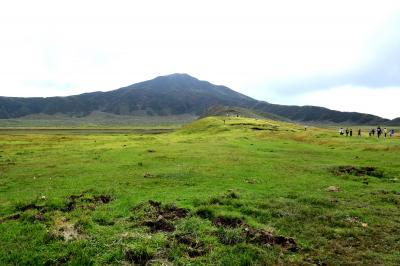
[(214, 192)]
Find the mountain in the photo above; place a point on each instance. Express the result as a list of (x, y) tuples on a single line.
[(394, 122), (165, 95), (315, 114), (171, 95)]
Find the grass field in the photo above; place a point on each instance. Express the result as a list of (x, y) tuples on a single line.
[(247, 192)]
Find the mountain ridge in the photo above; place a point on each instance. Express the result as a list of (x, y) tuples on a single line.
[(173, 94)]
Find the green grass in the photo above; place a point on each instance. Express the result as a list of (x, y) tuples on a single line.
[(248, 192)]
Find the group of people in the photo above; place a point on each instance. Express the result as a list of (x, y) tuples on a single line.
[(379, 132)]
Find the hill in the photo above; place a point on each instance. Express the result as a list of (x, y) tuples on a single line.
[(165, 95), (175, 94), (232, 111), (394, 122), (319, 114)]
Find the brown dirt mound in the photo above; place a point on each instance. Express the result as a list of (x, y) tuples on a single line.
[(232, 222), (357, 171), (30, 206), (85, 201), (194, 247), (256, 236), (160, 224), (262, 237), (160, 217)]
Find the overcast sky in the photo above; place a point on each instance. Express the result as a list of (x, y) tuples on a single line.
[(343, 55)]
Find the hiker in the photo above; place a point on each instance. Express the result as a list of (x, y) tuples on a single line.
[(351, 132), (347, 132), (373, 132), (391, 133), (385, 132), (341, 131), (379, 131), (359, 132)]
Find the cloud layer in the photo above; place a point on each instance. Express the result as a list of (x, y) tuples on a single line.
[(278, 51)]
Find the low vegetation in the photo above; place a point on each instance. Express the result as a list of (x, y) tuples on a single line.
[(240, 192)]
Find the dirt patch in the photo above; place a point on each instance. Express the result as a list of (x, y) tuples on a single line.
[(261, 237), (160, 224), (256, 236), (148, 175), (11, 217), (85, 201), (193, 246), (66, 230), (170, 212), (160, 217), (357, 171), (30, 206), (264, 128), (226, 221), (102, 199)]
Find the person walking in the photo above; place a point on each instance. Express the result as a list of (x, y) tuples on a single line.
[(379, 131), (351, 132), (341, 131), (347, 132), (359, 132), (385, 132), (373, 132)]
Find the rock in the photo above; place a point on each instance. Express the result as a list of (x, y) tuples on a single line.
[(365, 225), (332, 189)]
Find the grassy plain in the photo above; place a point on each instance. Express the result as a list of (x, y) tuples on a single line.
[(247, 192)]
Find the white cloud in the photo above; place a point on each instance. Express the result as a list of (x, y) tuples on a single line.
[(81, 46), (383, 102)]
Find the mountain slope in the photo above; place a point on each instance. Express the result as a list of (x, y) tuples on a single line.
[(394, 122), (165, 95), (318, 114), (220, 110), (171, 95)]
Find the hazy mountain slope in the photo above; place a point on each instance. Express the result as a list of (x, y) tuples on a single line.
[(174, 94), (318, 114), (165, 95), (394, 122)]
